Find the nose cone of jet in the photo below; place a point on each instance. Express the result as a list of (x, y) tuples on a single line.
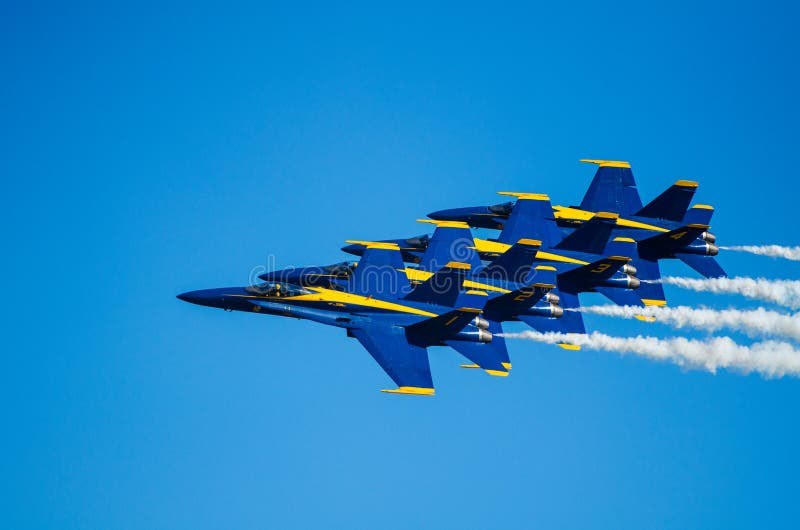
[(454, 214), (203, 297)]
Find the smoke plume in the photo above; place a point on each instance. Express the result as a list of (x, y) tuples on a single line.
[(755, 323), (773, 251), (769, 358), (782, 292)]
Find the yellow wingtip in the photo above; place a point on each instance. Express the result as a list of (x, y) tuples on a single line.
[(645, 318), (567, 346), (656, 303), (415, 390), (497, 373)]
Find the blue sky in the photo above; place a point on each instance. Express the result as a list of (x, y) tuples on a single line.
[(156, 149)]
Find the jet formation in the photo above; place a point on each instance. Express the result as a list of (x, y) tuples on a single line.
[(452, 289)]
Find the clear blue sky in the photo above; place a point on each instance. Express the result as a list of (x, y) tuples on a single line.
[(156, 149)]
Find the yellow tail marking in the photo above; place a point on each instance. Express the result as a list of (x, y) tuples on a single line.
[(686, 183), (607, 163)]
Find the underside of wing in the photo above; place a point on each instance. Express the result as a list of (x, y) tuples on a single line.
[(405, 363)]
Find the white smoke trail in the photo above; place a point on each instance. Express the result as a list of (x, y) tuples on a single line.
[(769, 358), (773, 251), (782, 292), (755, 323)]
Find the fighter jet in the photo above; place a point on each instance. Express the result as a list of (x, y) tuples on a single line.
[(396, 329), (529, 298), (665, 228)]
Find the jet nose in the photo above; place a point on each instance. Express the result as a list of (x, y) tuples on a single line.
[(195, 297), (442, 215)]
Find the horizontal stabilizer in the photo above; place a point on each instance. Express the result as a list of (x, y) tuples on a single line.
[(664, 245), (586, 276), (705, 265), (439, 328), (508, 305), (490, 356), (672, 203), (650, 290), (621, 296), (570, 322)]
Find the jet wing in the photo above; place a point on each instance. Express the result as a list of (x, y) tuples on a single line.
[(405, 363)]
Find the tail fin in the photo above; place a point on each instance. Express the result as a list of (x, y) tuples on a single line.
[(443, 287), (672, 203), (592, 236), (699, 214), (531, 218), (515, 263), (379, 272), (613, 189), (621, 246), (451, 241)]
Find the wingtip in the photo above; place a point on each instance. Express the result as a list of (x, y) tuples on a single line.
[(412, 390)]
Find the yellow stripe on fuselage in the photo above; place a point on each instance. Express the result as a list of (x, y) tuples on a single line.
[(562, 212), (493, 247), (421, 276), (328, 296)]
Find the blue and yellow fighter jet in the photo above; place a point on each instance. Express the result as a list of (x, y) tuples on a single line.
[(665, 228), (396, 330), (529, 298)]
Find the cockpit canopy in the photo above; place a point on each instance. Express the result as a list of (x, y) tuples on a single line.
[(276, 289), (502, 209)]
